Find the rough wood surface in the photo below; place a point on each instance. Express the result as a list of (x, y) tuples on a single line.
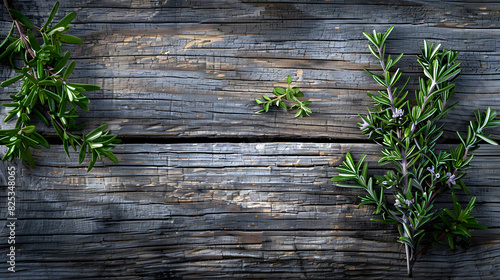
[(226, 210), (194, 68), (240, 200)]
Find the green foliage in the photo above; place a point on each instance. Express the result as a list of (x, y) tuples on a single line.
[(290, 94), (46, 93), (408, 133)]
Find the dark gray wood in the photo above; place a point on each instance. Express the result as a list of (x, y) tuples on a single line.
[(176, 69), (240, 200), (230, 210)]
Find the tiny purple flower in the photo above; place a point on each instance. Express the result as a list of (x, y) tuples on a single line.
[(451, 179), (431, 170), (398, 203), (398, 113), (410, 202), (438, 175), (364, 125)]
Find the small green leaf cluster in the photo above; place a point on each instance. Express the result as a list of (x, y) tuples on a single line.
[(45, 92), (457, 223), (280, 95), (408, 133)]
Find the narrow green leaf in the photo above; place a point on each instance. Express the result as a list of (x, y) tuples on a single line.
[(282, 105), (11, 81), (22, 18), (372, 50), (370, 38), (12, 104), (486, 139), (59, 131), (340, 178), (387, 33), (29, 157), (350, 162), (51, 16), (110, 155), (65, 145), (4, 42), (92, 160), (68, 39), (406, 241), (450, 242), (376, 38), (26, 74), (395, 78), (40, 139), (65, 21), (52, 95), (95, 145), (10, 48), (448, 77), (379, 80), (384, 221), (69, 70), (61, 62), (94, 134), (280, 91), (470, 206), (456, 206), (434, 52), (83, 151), (28, 129), (449, 213), (86, 87), (266, 106), (380, 99), (397, 59), (350, 186), (32, 40), (39, 70)]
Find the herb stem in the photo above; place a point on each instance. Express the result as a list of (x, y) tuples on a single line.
[(23, 37), (7, 6), (389, 88)]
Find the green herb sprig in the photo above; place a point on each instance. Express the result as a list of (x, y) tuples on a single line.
[(408, 132), (290, 94), (46, 93)]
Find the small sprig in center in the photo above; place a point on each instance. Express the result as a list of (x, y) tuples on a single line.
[(282, 95)]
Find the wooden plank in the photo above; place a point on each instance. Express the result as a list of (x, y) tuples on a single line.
[(239, 210), (178, 69), (250, 210)]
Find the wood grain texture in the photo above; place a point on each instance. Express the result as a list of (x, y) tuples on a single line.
[(193, 68), (211, 190), (226, 210)]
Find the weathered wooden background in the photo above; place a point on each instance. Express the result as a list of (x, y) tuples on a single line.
[(205, 188)]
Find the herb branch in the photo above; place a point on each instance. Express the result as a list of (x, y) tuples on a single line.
[(46, 93), (408, 132), (281, 95)]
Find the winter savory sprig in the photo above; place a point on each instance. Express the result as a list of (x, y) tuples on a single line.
[(46, 93), (290, 94), (408, 132)]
